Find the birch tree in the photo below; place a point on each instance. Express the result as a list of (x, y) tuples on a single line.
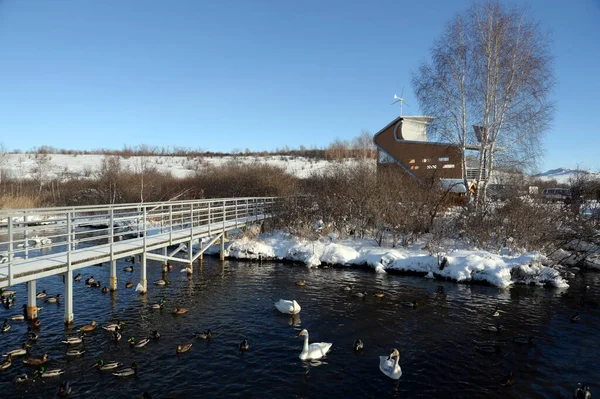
[(492, 68)]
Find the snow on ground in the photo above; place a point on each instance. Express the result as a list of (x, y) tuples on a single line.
[(24, 166), (458, 265)]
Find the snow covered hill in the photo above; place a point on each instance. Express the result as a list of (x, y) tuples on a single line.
[(565, 175)]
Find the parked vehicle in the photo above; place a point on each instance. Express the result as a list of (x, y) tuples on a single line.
[(557, 194)]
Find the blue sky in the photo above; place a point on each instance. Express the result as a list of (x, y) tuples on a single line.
[(220, 75)]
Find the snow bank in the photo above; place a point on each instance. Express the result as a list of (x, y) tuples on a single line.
[(459, 265)]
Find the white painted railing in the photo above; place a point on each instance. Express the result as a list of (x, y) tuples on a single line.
[(28, 233)]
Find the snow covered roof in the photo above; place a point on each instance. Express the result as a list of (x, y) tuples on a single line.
[(454, 185)]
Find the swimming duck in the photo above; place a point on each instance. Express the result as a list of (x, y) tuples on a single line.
[(244, 345), (74, 340), (314, 351), (23, 350), (126, 372), (5, 326), (410, 304), (129, 284), (389, 366), (138, 344), (64, 389), (497, 328), (36, 361), (160, 282), (22, 378), (379, 294), (204, 335), (53, 299), (583, 393), (32, 335), (183, 348), (49, 373), (88, 327), (488, 349), (525, 340), (507, 379), (114, 326), (188, 270), (158, 305), (155, 334), (128, 269), (36, 323), (104, 366), (116, 335), (6, 293), (6, 364), (89, 280), (75, 352), (575, 317), (41, 294), (301, 283), (358, 345), (179, 311), (360, 294), (496, 312), (287, 306), (17, 317), (130, 259), (78, 277), (104, 290)]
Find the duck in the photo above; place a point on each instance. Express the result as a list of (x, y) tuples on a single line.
[(95, 284), (36, 323), (525, 340), (488, 349), (574, 317), (75, 352), (301, 283), (128, 269), (244, 345), (6, 364), (5, 326), (507, 379), (104, 290), (129, 284), (78, 277), (104, 366), (496, 312), (203, 335), (64, 389), (130, 259), (88, 327), (17, 317), (183, 348), (583, 393), (32, 335), (53, 299), (410, 304), (116, 335), (89, 280), (155, 334), (389, 366), (74, 340), (347, 288), (314, 351), (42, 294), (497, 328), (379, 294), (32, 361), (127, 372), (160, 282), (22, 378), (158, 305), (360, 294), (6, 293), (49, 373), (358, 345), (188, 270), (287, 306), (23, 350), (179, 311), (114, 326), (138, 344)]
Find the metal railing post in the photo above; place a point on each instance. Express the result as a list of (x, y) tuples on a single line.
[(224, 202), (209, 218), (10, 250), (25, 236), (170, 224)]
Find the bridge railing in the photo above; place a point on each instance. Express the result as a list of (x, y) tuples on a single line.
[(27, 233)]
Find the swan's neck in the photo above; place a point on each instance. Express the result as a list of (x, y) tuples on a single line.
[(305, 348), (396, 363)]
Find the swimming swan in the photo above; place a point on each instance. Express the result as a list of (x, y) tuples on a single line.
[(288, 307), (315, 350), (389, 366)]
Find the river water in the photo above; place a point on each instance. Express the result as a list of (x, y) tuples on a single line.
[(438, 340)]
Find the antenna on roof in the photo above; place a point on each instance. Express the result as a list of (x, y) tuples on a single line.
[(400, 100)]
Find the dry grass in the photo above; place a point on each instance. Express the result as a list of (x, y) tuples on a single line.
[(18, 201)]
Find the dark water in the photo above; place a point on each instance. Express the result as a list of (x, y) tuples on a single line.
[(235, 300)]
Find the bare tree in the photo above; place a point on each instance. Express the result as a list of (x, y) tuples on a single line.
[(3, 161), (491, 68)]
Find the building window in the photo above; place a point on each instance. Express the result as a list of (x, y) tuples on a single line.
[(414, 167), (425, 160), (443, 159), (449, 166), (412, 161), (385, 158), (431, 166)]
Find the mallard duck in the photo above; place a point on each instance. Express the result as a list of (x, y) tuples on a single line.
[(5, 326), (360, 294), (183, 348), (23, 350), (203, 335), (160, 282), (88, 327), (358, 345), (244, 345), (379, 294), (6, 293), (104, 290), (64, 389), (116, 335), (32, 361), (138, 344), (525, 340), (287, 306), (128, 269), (583, 393), (89, 280), (53, 299), (188, 270), (158, 305), (36, 323), (179, 311), (17, 317), (507, 379), (155, 334), (6, 364), (126, 372), (74, 340), (49, 373), (32, 335), (496, 312), (104, 366), (389, 366), (301, 283), (23, 378), (41, 294), (314, 351), (114, 326), (75, 352), (129, 284), (78, 277), (410, 304), (575, 317)]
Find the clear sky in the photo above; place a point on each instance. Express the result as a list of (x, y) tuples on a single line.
[(262, 74)]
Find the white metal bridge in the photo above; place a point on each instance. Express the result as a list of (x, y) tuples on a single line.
[(37, 243)]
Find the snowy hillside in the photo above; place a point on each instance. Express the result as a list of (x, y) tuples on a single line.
[(565, 175)]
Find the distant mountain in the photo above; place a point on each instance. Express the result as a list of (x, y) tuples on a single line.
[(564, 175)]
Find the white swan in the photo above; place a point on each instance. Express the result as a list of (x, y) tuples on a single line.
[(315, 350), (389, 366), (288, 307)]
